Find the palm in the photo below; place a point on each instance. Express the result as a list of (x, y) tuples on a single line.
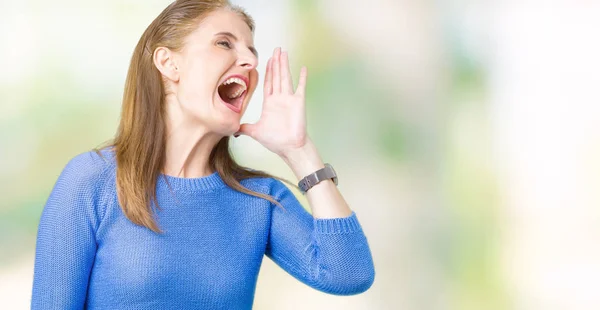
[(282, 124)]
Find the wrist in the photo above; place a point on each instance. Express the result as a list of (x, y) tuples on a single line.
[(303, 160)]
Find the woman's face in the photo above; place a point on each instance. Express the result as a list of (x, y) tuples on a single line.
[(217, 72)]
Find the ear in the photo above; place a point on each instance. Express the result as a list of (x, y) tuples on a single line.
[(164, 61)]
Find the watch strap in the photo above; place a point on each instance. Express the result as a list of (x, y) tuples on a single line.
[(314, 178)]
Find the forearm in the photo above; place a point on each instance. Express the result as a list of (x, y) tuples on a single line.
[(328, 254), (325, 199)]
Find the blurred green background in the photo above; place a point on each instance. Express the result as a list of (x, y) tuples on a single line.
[(466, 136)]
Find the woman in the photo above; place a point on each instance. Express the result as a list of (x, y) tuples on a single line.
[(163, 217)]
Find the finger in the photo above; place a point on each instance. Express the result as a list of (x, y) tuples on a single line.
[(245, 129), (301, 89), (286, 76), (268, 88), (276, 74)]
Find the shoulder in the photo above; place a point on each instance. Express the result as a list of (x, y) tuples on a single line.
[(88, 168), (81, 189), (270, 186)]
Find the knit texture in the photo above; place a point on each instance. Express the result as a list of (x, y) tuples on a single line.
[(90, 256)]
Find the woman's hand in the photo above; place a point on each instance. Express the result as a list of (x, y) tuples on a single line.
[(282, 124)]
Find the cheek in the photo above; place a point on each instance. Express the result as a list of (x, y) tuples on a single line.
[(196, 87), (253, 79), (253, 82)]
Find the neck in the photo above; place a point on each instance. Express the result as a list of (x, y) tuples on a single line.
[(188, 147)]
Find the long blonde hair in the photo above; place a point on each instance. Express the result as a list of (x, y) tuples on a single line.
[(140, 140)]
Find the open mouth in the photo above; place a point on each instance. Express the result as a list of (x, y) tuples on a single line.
[(232, 92)]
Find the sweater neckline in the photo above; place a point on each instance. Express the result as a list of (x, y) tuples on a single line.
[(204, 183)]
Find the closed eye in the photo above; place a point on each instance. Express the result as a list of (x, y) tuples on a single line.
[(232, 36), (224, 43)]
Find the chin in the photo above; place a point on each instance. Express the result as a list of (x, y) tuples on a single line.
[(225, 126)]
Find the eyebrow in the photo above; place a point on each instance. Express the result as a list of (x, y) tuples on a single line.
[(231, 35)]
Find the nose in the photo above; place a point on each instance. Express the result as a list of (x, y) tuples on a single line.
[(247, 60)]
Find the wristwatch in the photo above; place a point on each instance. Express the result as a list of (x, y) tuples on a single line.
[(314, 178)]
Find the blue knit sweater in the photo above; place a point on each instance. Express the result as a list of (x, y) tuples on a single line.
[(89, 255)]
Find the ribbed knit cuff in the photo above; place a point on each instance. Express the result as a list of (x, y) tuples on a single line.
[(340, 225)]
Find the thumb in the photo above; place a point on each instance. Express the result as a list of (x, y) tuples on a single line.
[(245, 129)]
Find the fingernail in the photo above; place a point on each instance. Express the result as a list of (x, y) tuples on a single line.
[(236, 135)]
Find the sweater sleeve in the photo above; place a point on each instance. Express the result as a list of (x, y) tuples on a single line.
[(330, 255), (66, 244)]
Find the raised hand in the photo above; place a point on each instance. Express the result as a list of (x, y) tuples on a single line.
[(282, 124)]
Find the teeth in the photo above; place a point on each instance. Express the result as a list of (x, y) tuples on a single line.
[(237, 93), (239, 82), (235, 80)]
